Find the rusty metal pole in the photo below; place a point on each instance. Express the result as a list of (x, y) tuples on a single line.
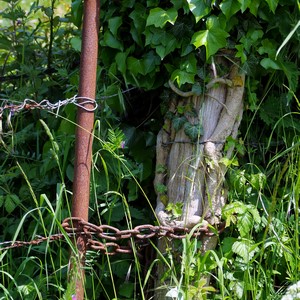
[(84, 138)]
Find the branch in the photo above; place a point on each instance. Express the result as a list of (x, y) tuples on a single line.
[(208, 86)]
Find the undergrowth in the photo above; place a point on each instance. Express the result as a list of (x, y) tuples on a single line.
[(258, 253)]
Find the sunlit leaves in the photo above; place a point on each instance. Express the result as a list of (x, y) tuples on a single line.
[(199, 9), (230, 7), (159, 17), (213, 38), (245, 248)]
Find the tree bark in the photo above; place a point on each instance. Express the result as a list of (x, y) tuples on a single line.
[(190, 169)]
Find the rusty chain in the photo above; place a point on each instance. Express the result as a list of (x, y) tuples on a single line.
[(106, 238)]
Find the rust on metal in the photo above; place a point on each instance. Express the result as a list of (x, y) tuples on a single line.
[(97, 238), (84, 138)]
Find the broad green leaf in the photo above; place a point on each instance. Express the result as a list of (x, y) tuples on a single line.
[(182, 77), (178, 122), (114, 24), (245, 4), (268, 47), (134, 65), (213, 38), (189, 64), (199, 9), (76, 43), (76, 12), (121, 61), (11, 202), (150, 61), (244, 224), (193, 131), (159, 17), (253, 6), (230, 7), (258, 181), (269, 63), (245, 249), (111, 41), (126, 289), (181, 4), (1, 200), (164, 50), (272, 5)]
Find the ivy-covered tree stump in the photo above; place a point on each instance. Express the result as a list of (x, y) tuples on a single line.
[(190, 166)]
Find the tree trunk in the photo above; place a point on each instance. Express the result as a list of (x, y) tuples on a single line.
[(189, 172)]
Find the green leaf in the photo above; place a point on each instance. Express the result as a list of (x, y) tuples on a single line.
[(135, 65), (76, 43), (121, 61), (110, 41), (189, 64), (150, 61), (258, 181), (245, 4), (245, 249), (213, 38), (159, 17), (182, 77), (11, 202), (193, 131), (126, 289), (178, 122), (272, 5), (76, 12), (269, 63), (114, 24), (268, 47), (199, 9), (230, 7), (244, 224)]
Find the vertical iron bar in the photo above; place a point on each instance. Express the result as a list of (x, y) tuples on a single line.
[(84, 138)]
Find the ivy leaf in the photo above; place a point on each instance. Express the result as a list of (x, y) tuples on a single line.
[(182, 77), (121, 61), (199, 9), (150, 61), (272, 5), (178, 122), (159, 17), (193, 131), (213, 38), (230, 7), (135, 66), (110, 41), (114, 24), (245, 4)]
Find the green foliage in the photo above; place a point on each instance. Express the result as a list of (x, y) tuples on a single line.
[(143, 45)]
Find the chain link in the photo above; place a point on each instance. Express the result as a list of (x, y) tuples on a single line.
[(106, 238)]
